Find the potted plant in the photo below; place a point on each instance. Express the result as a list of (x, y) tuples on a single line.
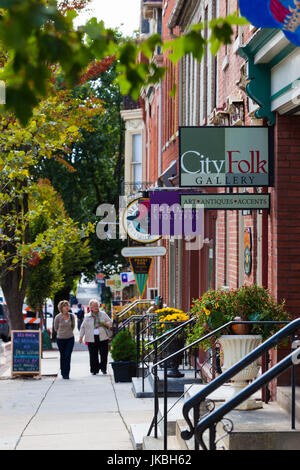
[(215, 308), (169, 318), (218, 307), (123, 352)]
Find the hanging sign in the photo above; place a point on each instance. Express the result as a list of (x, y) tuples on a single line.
[(136, 221), (115, 282), (225, 156), (247, 251), (282, 14), (143, 251), (127, 277), (236, 201), (26, 352), (141, 268)]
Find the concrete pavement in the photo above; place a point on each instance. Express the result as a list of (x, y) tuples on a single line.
[(86, 412)]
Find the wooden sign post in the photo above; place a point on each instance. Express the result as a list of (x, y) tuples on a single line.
[(26, 352)]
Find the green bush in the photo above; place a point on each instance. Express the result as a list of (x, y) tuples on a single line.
[(123, 347), (217, 307)]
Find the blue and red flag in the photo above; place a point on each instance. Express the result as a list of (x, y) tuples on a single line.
[(282, 14)]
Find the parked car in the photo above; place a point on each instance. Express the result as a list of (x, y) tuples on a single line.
[(4, 323)]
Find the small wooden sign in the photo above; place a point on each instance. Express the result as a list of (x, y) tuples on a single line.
[(26, 352)]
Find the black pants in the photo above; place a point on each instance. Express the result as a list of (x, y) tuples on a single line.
[(94, 350), (65, 347)]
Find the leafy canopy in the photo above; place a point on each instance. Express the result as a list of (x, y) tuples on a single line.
[(36, 36)]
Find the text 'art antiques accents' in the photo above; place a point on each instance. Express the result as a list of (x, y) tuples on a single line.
[(228, 201), (225, 156)]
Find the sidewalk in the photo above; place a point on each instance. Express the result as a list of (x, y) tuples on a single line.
[(86, 412)]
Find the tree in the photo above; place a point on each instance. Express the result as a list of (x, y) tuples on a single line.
[(47, 275), (56, 123), (98, 160), (36, 35)]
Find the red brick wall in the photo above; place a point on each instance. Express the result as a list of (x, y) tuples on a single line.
[(284, 249)]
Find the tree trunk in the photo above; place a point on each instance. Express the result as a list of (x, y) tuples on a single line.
[(14, 279), (63, 294), (14, 289)]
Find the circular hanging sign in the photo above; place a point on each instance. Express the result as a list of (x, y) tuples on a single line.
[(136, 221)]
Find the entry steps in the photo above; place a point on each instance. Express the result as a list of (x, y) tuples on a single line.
[(176, 386), (267, 428)]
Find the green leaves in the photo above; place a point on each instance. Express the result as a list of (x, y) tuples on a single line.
[(221, 30), (191, 43), (38, 38)]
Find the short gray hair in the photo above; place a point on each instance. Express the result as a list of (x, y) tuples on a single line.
[(93, 301)]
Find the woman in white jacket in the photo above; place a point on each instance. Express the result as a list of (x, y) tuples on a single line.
[(94, 329)]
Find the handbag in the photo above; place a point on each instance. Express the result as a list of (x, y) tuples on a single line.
[(108, 331)]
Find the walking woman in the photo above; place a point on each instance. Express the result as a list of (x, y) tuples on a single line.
[(64, 324), (96, 328)]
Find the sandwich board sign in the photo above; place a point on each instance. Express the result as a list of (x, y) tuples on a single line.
[(26, 352), (141, 268)]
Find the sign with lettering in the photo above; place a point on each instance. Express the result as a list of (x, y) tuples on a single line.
[(141, 268), (26, 352), (136, 221), (236, 201), (225, 156)]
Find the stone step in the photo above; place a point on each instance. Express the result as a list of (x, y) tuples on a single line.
[(284, 399), (157, 444), (137, 434), (138, 431), (176, 386), (219, 396), (266, 428)]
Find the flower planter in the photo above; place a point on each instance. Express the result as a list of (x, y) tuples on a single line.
[(235, 348), (240, 329), (124, 370)]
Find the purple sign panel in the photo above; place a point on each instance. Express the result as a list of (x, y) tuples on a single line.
[(167, 217)]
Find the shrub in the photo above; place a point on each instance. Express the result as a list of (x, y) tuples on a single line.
[(123, 347), (252, 303)]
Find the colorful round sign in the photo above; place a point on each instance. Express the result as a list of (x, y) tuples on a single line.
[(136, 221)]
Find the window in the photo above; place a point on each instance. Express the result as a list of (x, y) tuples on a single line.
[(137, 174)]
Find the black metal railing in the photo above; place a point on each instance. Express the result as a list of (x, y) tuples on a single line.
[(120, 316), (210, 421), (194, 403), (159, 343), (165, 381)]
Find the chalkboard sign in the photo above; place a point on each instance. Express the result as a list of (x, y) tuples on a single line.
[(26, 352)]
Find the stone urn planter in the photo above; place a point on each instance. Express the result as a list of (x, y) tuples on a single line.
[(173, 364), (235, 347)]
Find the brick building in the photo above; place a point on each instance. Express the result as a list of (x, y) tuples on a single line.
[(252, 82)]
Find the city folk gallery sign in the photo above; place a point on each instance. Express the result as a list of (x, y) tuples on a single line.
[(225, 156)]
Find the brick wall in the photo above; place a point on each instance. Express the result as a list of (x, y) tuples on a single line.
[(284, 247)]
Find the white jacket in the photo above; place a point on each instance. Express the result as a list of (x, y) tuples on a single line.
[(87, 327)]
